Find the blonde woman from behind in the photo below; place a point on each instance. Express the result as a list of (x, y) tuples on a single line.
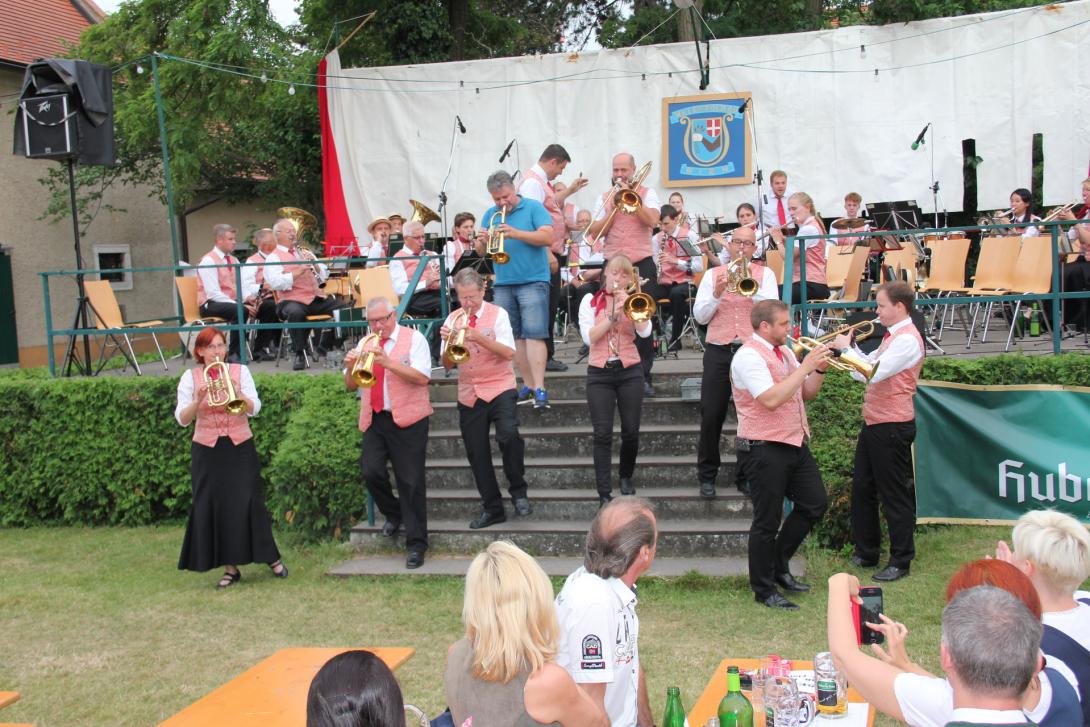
[(503, 673)]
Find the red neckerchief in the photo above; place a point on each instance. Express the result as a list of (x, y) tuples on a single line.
[(598, 302)]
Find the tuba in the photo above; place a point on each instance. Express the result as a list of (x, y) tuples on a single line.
[(739, 280), (363, 369), (422, 213), (300, 218), (638, 306), (456, 351), (221, 391), (494, 247)]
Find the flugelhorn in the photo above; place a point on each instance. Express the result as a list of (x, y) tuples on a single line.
[(739, 280), (221, 390), (626, 198), (363, 370), (457, 352), (845, 360), (638, 306), (494, 247)]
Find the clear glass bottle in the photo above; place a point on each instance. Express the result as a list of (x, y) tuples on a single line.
[(832, 688)]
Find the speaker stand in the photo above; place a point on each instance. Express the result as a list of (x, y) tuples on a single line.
[(81, 318)]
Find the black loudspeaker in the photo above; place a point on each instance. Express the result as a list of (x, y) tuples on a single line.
[(66, 112)]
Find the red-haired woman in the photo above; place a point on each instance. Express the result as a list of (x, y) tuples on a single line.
[(228, 522)]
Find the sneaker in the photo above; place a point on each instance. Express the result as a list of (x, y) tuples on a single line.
[(526, 395), (541, 400), (555, 366)]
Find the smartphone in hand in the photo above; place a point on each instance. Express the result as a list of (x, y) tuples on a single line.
[(868, 612)]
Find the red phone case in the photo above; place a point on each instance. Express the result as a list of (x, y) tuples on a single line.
[(857, 624)]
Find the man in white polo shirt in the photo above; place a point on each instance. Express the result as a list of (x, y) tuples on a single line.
[(599, 629)]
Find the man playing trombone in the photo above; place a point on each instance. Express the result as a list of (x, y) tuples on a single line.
[(883, 453), (477, 339)]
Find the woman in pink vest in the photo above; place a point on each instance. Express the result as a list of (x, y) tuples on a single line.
[(809, 223), (614, 374), (228, 522)]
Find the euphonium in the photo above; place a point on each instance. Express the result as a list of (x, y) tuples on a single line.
[(639, 306), (494, 248), (363, 372), (739, 280), (221, 391), (846, 360), (457, 352)]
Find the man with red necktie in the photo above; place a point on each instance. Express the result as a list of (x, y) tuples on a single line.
[(772, 208), (883, 454), (394, 421), (216, 289), (487, 394)]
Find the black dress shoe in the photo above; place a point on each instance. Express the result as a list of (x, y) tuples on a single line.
[(648, 390), (627, 488), (554, 365), (707, 490), (300, 363), (890, 573), (788, 583), (861, 562), (584, 350), (522, 506), (485, 518), (777, 601), (390, 528), (415, 559), (744, 487), (604, 500), (321, 351)]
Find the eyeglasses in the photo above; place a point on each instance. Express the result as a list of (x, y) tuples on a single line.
[(380, 319)]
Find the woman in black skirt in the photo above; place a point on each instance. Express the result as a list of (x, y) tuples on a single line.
[(228, 522)]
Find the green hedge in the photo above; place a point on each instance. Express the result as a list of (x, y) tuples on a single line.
[(108, 451)]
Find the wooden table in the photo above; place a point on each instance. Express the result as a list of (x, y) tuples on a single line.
[(273, 693), (708, 704), (8, 698)]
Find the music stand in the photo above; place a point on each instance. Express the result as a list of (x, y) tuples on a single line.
[(394, 243), (483, 265)]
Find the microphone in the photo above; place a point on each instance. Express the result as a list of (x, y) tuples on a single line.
[(743, 107), (507, 152), (461, 126), (919, 139)]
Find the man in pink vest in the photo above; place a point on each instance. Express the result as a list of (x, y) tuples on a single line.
[(630, 235), (883, 454), (538, 183), (727, 317), (425, 301), (257, 298), (769, 387), (217, 293), (487, 395), (297, 281), (676, 269), (394, 421)]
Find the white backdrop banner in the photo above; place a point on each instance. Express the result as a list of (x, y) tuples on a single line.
[(819, 111)]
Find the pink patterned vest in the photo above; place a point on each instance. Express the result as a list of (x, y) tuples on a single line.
[(410, 264), (815, 260), (627, 235), (890, 400), (409, 403), (213, 422), (258, 257), (731, 318), (622, 334), (786, 423), (560, 228), (304, 287), (671, 274), (226, 277), (485, 375)]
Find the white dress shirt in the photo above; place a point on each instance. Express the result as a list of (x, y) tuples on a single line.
[(501, 331), (902, 353), (586, 321), (186, 391), (705, 304), (400, 278), (277, 278), (650, 200), (453, 251), (748, 370), (768, 211), (419, 359), (971, 715), (689, 265), (250, 286), (530, 188), (210, 276), (373, 252)]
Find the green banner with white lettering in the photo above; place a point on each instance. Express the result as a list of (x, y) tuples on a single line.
[(988, 454)]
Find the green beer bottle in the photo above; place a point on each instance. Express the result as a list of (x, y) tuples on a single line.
[(1034, 321), (675, 713), (735, 710)]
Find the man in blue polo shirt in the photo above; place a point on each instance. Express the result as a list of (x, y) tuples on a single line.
[(522, 283)]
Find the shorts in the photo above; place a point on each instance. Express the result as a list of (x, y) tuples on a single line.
[(527, 306)]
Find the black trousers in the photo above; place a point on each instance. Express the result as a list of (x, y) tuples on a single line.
[(679, 307), (406, 449), (814, 291), (554, 302), (229, 313), (883, 467), (646, 346), (777, 471), (1076, 277), (475, 422), (266, 313), (610, 389), (295, 312), (715, 395), (427, 304)]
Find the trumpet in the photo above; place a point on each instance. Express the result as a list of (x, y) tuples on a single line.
[(1055, 213), (494, 246), (457, 352), (862, 329), (221, 391), (845, 360), (626, 198), (638, 306), (363, 370), (739, 280)]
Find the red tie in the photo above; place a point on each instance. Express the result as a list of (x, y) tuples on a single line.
[(780, 212), (473, 321), (779, 353), (378, 396), (885, 337)]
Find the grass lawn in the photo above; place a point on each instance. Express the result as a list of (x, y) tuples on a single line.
[(99, 628)]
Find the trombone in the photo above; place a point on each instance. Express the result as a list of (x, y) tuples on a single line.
[(626, 198), (363, 370), (845, 360), (457, 352), (221, 391), (494, 246)]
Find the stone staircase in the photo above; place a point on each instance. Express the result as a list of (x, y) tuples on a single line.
[(708, 536)]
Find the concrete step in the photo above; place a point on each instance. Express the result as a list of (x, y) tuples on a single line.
[(677, 537), (571, 384), (581, 505), (561, 472), (557, 567), (576, 440), (657, 410)]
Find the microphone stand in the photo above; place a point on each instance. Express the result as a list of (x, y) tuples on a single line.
[(443, 189), (759, 176), (934, 182)]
